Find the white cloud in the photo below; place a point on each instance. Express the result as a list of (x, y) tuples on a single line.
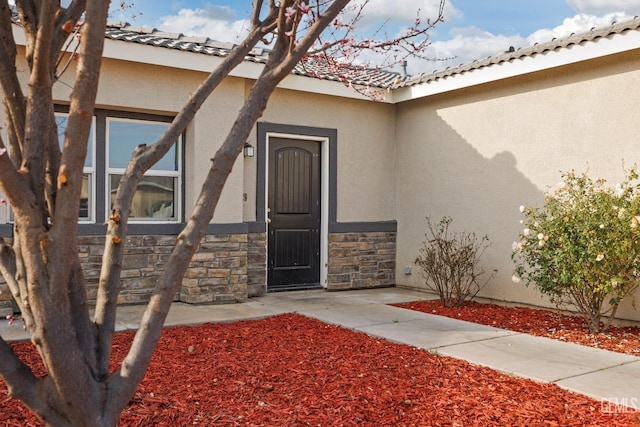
[(218, 22), (464, 46), (469, 44), (404, 11), (577, 24), (601, 7), (215, 22)]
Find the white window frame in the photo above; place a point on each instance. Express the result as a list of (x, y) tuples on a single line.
[(91, 171), (177, 175), (8, 219)]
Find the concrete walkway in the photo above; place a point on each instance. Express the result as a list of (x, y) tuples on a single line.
[(600, 374)]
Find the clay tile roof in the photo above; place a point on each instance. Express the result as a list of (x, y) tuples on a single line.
[(512, 54), (310, 68), (372, 77)]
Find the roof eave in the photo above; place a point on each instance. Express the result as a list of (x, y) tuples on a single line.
[(192, 61), (558, 57), (602, 43)]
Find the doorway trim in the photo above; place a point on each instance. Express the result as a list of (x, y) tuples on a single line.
[(328, 161)]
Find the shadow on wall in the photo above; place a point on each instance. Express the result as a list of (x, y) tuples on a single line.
[(440, 174), (478, 153)]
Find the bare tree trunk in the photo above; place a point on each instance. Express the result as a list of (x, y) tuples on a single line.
[(280, 64), (43, 185), (48, 279), (143, 159)]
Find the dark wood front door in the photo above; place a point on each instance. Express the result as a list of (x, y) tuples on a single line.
[(293, 215)]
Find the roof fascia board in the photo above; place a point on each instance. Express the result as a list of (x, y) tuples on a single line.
[(558, 57), (153, 55)]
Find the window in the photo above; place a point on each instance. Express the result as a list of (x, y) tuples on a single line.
[(113, 138), (87, 201), (157, 196)]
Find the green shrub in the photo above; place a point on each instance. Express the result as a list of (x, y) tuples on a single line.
[(449, 263), (581, 248)]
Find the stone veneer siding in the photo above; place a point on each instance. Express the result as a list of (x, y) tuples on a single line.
[(257, 264), (230, 267), (217, 273), (6, 302), (144, 259), (7, 306), (361, 260)]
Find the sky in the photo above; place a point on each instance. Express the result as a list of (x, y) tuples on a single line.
[(473, 29)]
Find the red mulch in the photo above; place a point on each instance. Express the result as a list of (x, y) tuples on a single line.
[(538, 322), (290, 370)]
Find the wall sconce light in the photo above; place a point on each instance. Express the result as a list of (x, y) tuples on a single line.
[(248, 149)]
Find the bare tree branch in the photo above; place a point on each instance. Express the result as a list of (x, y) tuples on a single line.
[(65, 24), (142, 160), (15, 186), (75, 325), (279, 65), (44, 186), (28, 13), (61, 326), (13, 97), (22, 384)]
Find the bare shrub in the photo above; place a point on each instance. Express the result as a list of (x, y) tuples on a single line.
[(450, 263)]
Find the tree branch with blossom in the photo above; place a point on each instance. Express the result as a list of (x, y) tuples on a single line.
[(341, 51), (43, 184)]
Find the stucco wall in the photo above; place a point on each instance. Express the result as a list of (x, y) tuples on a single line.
[(475, 154), (365, 144), (366, 135), (126, 86), (149, 89), (478, 154), (164, 90)]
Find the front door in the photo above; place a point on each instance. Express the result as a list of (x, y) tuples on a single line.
[(293, 215)]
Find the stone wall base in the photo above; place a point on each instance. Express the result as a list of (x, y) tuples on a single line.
[(218, 271), (229, 267), (361, 260), (7, 306), (257, 265), (217, 274)]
